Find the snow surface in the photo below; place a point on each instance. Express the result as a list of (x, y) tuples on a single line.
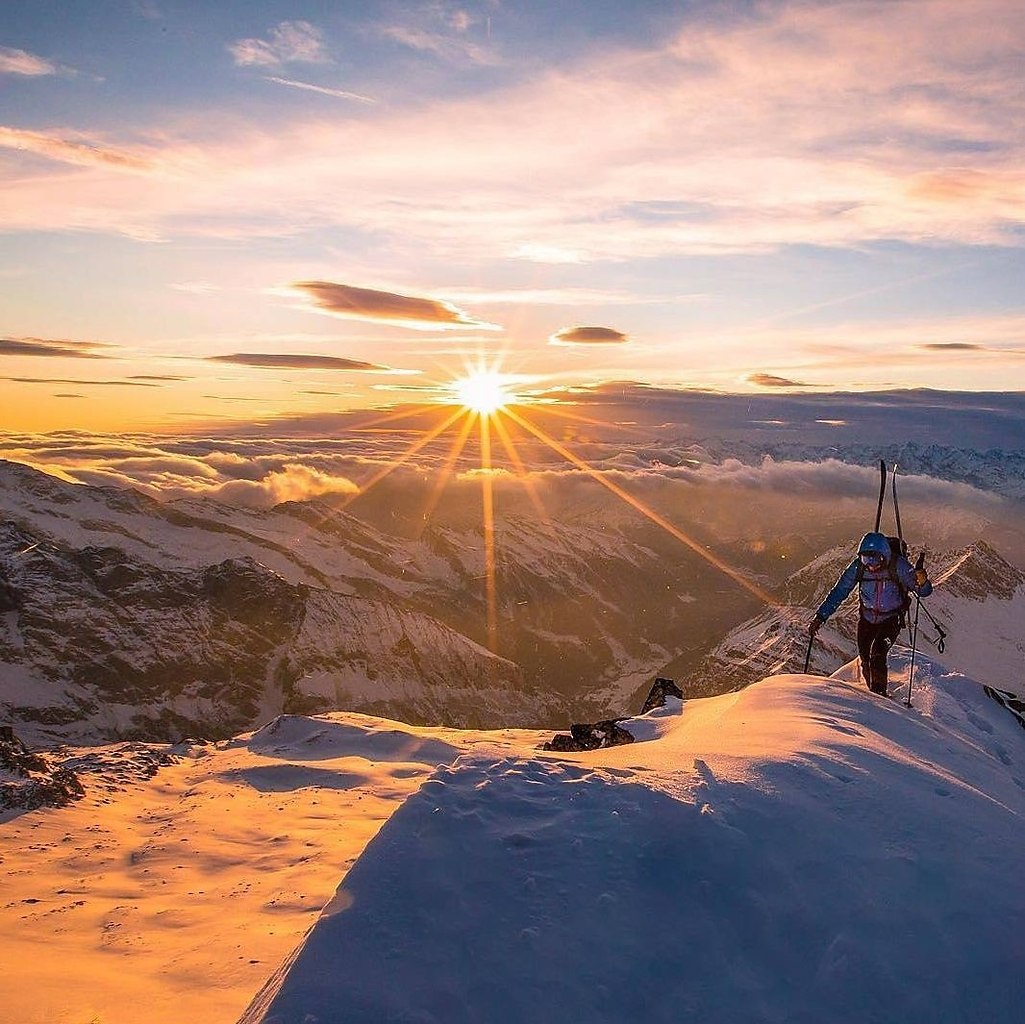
[(798, 851)]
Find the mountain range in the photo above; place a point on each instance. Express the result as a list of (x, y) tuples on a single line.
[(125, 617)]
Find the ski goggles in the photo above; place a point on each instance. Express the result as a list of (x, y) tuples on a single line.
[(873, 558)]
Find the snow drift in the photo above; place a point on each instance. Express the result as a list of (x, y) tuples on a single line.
[(799, 851)]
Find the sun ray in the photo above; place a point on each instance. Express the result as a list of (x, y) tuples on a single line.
[(447, 468), (649, 513), (488, 501), (550, 410), (522, 472), (419, 409), (404, 457)]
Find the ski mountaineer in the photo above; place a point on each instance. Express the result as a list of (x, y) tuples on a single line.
[(886, 579)]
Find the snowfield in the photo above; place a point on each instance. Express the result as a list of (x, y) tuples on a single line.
[(798, 851)]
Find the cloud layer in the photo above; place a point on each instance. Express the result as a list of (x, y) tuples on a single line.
[(738, 133)]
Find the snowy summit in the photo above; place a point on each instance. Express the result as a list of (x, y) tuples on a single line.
[(798, 851)]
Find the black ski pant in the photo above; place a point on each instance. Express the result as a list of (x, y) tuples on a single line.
[(874, 642)]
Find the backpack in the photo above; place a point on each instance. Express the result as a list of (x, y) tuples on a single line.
[(898, 549)]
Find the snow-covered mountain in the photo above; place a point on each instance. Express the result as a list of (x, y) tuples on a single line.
[(798, 851), (121, 616)]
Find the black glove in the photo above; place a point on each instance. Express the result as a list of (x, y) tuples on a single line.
[(815, 625)]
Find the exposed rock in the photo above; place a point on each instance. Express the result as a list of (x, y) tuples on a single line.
[(1011, 701), (29, 780), (660, 689), (590, 737)]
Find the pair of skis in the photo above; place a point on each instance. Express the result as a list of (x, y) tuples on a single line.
[(919, 564)]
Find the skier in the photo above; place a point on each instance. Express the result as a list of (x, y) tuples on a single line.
[(886, 580)]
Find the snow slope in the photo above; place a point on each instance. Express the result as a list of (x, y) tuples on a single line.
[(798, 851), (168, 898)]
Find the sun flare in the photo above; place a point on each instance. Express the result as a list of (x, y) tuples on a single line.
[(483, 391)]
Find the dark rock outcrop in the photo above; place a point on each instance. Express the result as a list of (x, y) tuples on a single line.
[(590, 737), (28, 780), (660, 689)]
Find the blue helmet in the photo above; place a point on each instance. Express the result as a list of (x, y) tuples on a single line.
[(874, 544)]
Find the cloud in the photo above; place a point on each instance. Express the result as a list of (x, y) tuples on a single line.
[(157, 376), (954, 346), (741, 132), (768, 380), (85, 383), (20, 62), (322, 89), (387, 307), (449, 33), (291, 483), (299, 362), (81, 152), (43, 347), (195, 287), (289, 42), (588, 336)]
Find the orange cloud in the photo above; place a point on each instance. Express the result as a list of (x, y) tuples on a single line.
[(387, 307), (69, 151), (298, 362), (588, 336)]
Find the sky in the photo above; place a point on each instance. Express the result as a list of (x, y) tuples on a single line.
[(252, 212)]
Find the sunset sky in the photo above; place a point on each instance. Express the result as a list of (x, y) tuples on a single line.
[(244, 211)]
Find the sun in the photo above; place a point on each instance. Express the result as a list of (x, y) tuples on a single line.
[(483, 391)]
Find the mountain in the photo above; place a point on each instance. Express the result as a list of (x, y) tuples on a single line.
[(124, 617)]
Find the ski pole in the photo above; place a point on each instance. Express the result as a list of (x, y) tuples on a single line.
[(914, 641), (807, 657), (920, 564)]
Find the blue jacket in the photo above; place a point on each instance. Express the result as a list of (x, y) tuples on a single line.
[(880, 595)]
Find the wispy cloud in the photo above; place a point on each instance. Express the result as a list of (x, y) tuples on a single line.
[(21, 62), (322, 89), (300, 362), (81, 151), (287, 43), (588, 336), (412, 311), (54, 349), (446, 31), (195, 287)]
